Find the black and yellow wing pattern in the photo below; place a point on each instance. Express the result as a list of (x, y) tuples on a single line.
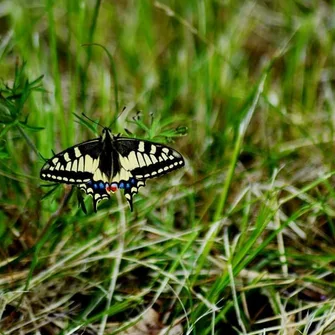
[(103, 165)]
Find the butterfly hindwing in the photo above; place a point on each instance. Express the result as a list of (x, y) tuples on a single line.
[(104, 165), (97, 191)]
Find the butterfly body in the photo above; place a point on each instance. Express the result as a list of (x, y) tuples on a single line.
[(103, 165)]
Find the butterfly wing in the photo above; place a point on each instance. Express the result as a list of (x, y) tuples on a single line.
[(83, 166), (142, 160), (98, 191), (74, 165)]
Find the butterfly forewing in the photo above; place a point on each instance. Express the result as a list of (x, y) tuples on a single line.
[(74, 165), (147, 159), (104, 165)]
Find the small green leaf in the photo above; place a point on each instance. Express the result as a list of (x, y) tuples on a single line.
[(32, 128)]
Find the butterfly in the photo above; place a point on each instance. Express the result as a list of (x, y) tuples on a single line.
[(110, 162)]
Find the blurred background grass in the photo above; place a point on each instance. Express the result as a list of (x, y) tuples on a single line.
[(242, 239)]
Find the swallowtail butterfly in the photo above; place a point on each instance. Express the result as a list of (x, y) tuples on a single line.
[(103, 165)]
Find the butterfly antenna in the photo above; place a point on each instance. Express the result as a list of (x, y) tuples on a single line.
[(115, 119), (88, 118)]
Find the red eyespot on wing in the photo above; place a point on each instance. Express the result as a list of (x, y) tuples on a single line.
[(112, 188)]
